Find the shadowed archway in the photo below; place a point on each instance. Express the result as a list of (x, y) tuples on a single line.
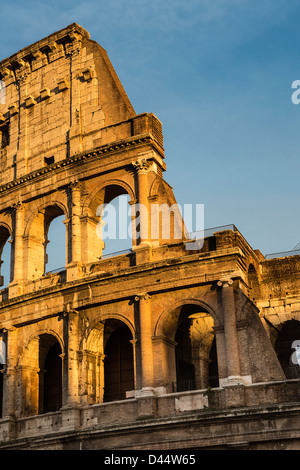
[(50, 384), (287, 342), (118, 362)]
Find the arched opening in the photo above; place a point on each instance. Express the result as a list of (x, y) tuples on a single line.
[(107, 227), (116, 225), (195, 350), (50, 385), (286, 345), (185, 368), (5, 257), (118, 362), (55, 239), (46, 240)]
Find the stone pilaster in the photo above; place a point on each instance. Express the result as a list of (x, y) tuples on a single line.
[(70, 373), (141, 166), (230, 334), (75, 222), (146, 355), (9, 385), (16, 286), (18, 241), (164, 363), (143, 250), (221, 348), (74, 268), (92, 377)]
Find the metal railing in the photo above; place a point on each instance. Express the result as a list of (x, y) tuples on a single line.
[(208, 232), (192, 236), (282, 254), (55, 271), (116, 253)]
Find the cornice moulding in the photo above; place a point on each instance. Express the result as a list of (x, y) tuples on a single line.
[(100, 151), (72, 33)]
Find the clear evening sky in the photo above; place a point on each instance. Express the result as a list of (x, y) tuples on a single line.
[(218, 74)]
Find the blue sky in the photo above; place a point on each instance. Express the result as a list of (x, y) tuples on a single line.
[(218, 74)]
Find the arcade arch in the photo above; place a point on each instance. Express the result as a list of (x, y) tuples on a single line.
[(107, 361), (50, 376), (107, 218), (118, 361), (41, 375), (188, 346), (37, 239)]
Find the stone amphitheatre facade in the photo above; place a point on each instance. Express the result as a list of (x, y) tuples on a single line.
[(171, 345)]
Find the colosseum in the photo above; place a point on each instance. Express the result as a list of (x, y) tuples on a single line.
[(179, 342)]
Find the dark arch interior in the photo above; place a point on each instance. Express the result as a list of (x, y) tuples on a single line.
[(113, 191), (118, 362), (289, 333), (51, 374), (185, 365), (185, 369)]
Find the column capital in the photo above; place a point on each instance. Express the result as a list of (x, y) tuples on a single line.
[(10, 329), (75, 184), (17, 206), (141, 165), (142, 296), (69, 310), (225, 282)]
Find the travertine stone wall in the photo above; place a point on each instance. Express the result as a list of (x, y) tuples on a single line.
[(60, 93)]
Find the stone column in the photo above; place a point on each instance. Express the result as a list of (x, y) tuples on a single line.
[(9, 386), (70, 363), (145, 341), (75, 222), (71, 409), (221, 352), (230, 332), (32, 392), (91, 377), (18, 248), (141, 165), (99, 392), (74, 237), (142, 245), (164, 364)]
